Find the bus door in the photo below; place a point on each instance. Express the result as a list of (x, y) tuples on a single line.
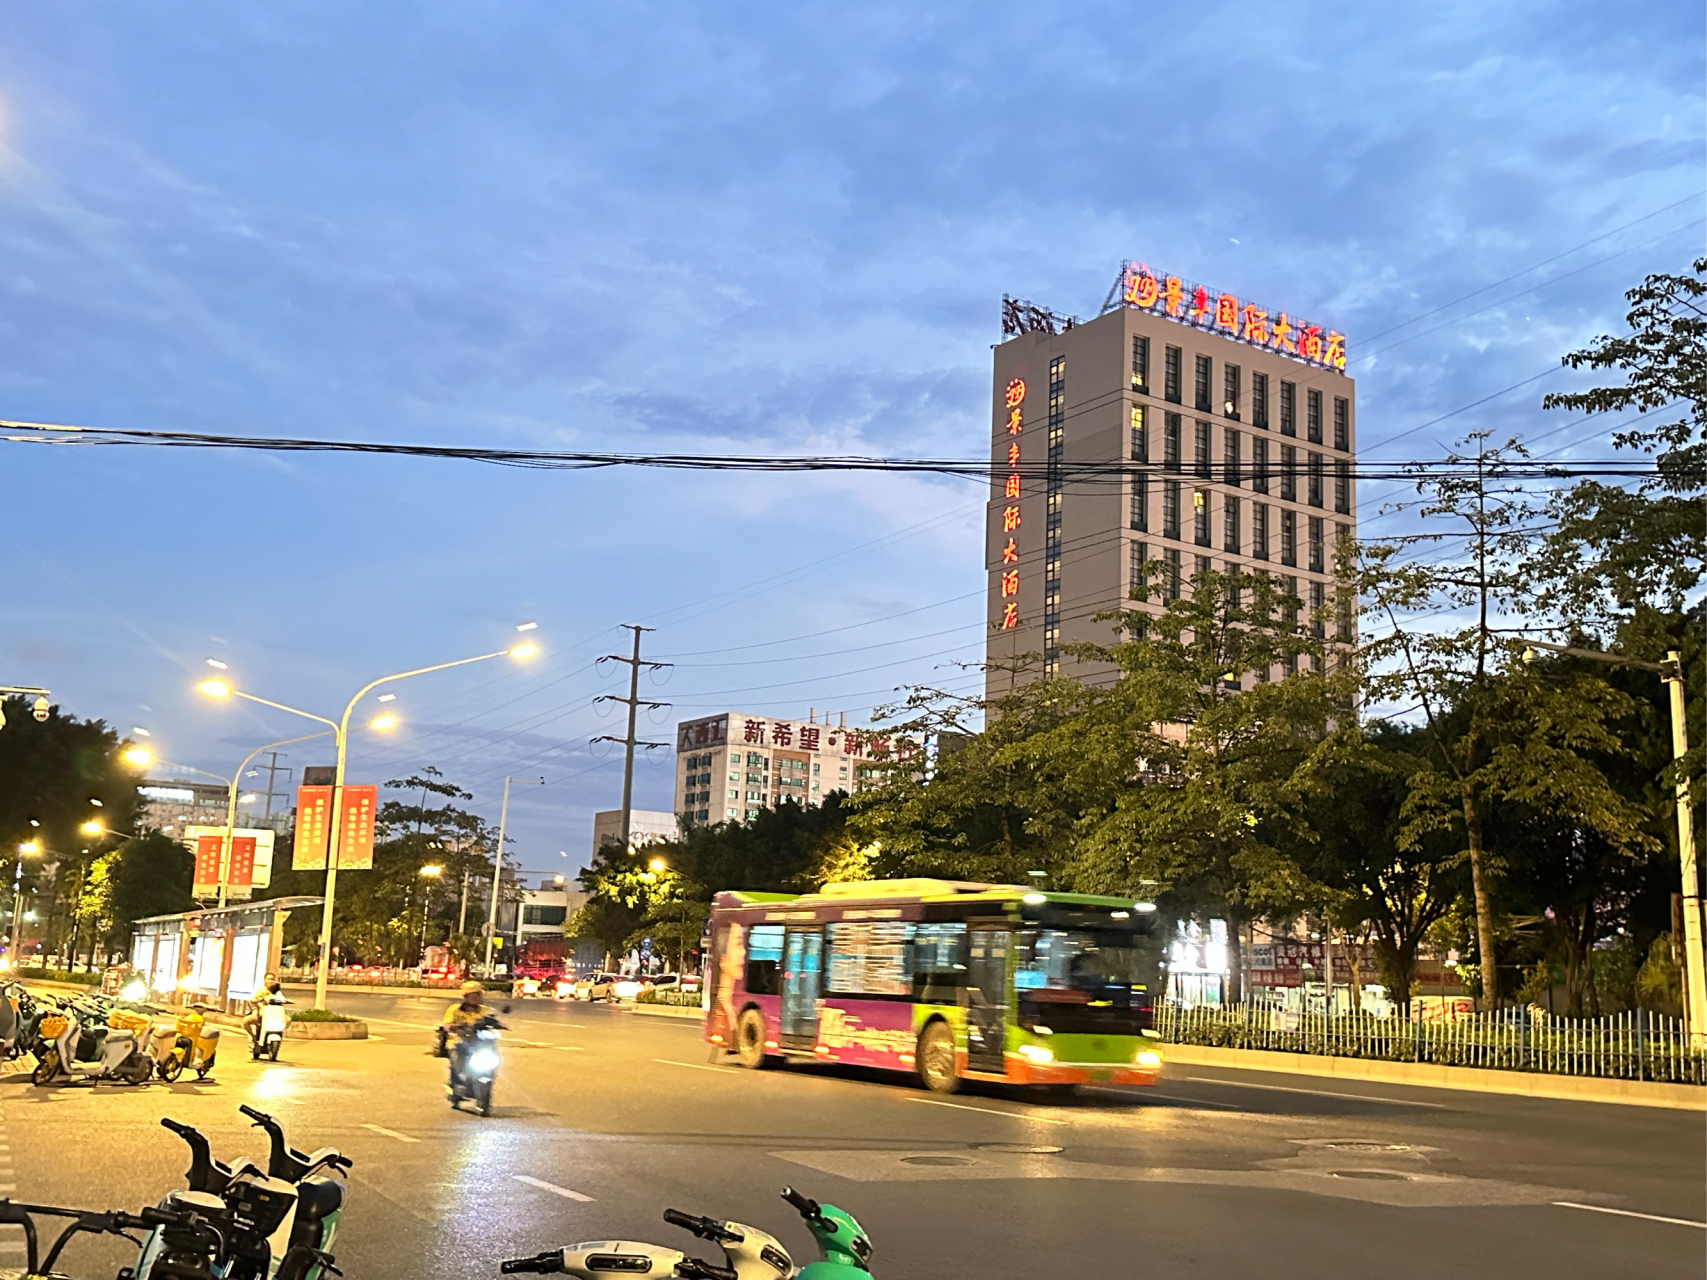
[(986, 999), (802, 965)]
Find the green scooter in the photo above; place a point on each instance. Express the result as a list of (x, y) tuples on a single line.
[(843, 1242)]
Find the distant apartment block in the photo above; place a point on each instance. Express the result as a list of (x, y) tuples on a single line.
[(730, 766)]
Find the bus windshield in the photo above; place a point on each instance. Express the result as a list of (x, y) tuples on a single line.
[(1081, 961)]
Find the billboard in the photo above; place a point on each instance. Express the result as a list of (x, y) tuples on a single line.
[(251, 860), (314, 828)]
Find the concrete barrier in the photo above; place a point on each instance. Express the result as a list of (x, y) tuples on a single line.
[(326, 1031), (667, 1011), (1430, 1075)]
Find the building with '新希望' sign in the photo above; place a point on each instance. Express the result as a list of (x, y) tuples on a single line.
[(1183, 429), (730, 766)]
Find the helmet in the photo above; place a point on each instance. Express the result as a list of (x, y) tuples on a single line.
[(471, 985)]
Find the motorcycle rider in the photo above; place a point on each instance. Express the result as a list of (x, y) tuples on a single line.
[(270, 987), (465, 1013)]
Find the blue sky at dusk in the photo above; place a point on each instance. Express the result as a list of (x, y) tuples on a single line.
[(716, 228)]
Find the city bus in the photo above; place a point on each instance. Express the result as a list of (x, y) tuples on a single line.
[(948, 980)]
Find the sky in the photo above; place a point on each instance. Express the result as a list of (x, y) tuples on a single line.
[(754, 228)]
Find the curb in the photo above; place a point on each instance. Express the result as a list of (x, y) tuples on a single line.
[(326, 1031), (1429, 1075), (667, 1011)]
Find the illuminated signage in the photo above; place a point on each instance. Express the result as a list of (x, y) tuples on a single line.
[(166, 793), (1015, 399), (1225, 314)]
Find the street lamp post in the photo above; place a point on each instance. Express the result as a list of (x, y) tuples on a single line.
[(498, 866), (341, 732), (231, 805), (28, 849), (1694, 970), (432, 872)]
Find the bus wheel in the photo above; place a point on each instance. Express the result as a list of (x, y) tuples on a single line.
[(936, 1059), (750, 1040)]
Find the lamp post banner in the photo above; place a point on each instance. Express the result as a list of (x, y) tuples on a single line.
[(313, 822), (251, 860), (355, 828)]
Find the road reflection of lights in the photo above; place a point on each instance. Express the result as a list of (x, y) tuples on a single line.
[(277, 1082)]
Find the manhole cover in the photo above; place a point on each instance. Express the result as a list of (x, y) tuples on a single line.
[(1366, 1146), (936, 1160), (1018, 1148), (1373, 1175)]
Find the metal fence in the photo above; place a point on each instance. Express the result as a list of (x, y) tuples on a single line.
[(1634, 1045)]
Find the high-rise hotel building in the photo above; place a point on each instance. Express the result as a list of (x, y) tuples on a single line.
[(1183, 426)]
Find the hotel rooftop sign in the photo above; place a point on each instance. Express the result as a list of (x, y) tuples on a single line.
[(1204, 308)]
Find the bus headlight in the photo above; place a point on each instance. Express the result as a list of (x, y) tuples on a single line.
[(1036, 1053), (1147, 1058)]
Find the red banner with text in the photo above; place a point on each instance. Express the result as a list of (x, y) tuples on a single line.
[(314, 828)]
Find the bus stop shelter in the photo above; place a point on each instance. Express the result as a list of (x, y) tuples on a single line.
[(218, 956)]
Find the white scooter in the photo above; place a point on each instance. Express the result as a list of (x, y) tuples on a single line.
[(748, 1254), (106, 1055), (271, 1033)]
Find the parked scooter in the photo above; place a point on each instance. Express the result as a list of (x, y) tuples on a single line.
[(84, 1051), (187, 1043), (17, 1018), (475, 1062), (265, 1039), (748, 1253)]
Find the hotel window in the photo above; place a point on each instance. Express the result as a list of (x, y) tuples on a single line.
[(1289, 473), (1313, 416), (1171, 374), (1318, 602), (1315, 480), (1140, 435), (1343, 616), (1230, 468), (1200, 518), (1141, 364), (1200, 454), (1170, 441), (1259, 531), (1141, 504), (1230, 524), (1140, 557), (1342, 486), (1288, 409), (1230, 391), (1316, 544), (1205, 368), (1259, 464), (1342, 424), (1259, 400), (1170, 508), (1288, 537), (1170, 583)]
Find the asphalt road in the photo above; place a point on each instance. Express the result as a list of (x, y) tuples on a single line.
[(604, 1117)]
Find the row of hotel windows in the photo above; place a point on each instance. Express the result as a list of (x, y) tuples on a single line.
[(1232, 379), (1314, 597), (1233, 470), (1264, 524)]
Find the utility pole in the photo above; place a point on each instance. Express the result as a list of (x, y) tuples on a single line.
[(498, 864), (273, 768), (634, 702)]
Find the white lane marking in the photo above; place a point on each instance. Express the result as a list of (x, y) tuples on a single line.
[(697, 1066), (553, 1188), (1630, 1213), (391, 1133), (8, 1186), (1191, 1102), (987, 1111), (1317, 1093), (13, 1246), (569, 1048), (376, 1037)]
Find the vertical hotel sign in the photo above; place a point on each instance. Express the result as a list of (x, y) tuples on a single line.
[(314, 828), (1015, 400)]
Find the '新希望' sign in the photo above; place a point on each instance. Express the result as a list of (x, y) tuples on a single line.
[(1227, 314)]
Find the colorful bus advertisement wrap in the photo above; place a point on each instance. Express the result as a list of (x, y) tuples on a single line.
[(946, 979)]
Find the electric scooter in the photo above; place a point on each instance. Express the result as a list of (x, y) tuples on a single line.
[(265, 1042), (319, 1199), (92, 1053), (187, 1042), (842, 1242), (475, 1062)]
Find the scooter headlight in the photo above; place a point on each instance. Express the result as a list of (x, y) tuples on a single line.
[(482, 1061)]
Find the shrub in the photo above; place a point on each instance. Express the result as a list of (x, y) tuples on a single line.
[(320, 1015)]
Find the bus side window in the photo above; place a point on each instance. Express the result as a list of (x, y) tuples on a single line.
[(939, 963), (764, 960)]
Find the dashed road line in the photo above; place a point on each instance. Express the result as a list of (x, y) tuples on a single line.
[(1191, 1102), (552, 1187), (1315, 1093), (987, 1111), (391, 1133), (697, 1066), (1631, 1213), (570, 1048)]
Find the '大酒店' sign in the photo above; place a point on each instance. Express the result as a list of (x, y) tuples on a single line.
[(1226, 314)]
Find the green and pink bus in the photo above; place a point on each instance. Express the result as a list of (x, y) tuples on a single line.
[(947, 980)]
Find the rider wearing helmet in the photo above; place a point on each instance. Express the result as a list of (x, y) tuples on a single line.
[(464, 1013)]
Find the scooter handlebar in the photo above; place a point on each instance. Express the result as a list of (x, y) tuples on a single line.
[(540, 1264), (807, 1209), (704, 1228), (699, 1269)]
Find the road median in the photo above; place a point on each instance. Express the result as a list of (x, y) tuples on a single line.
[(1429, 1075)]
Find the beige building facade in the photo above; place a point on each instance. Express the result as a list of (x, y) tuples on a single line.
[(730, 766), (1182, 426)]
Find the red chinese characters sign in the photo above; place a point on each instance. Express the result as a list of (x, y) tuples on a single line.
[(1009, 578), (314, 828), (1224, 313)]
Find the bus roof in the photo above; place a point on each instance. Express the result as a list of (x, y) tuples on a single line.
[(920, 889)]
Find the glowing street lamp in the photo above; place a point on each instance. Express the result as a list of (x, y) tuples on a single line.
[(220, 689), (28, 849), (137, 757)]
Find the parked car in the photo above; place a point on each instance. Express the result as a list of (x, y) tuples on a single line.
[(597, 986)]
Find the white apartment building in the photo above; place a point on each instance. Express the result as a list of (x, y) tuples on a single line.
[(645, 826), (730, 766)]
